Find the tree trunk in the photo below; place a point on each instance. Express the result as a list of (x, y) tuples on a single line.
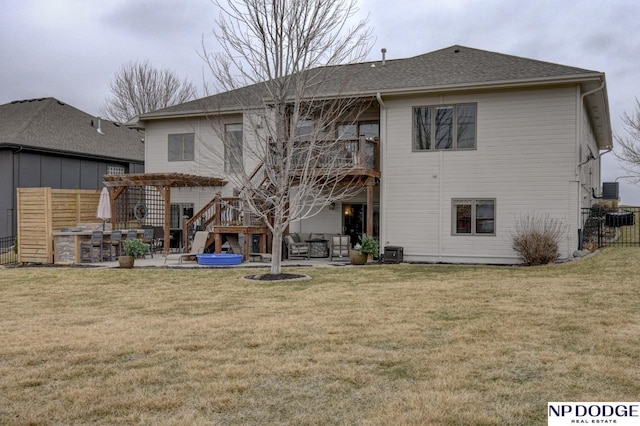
[(276, 251)]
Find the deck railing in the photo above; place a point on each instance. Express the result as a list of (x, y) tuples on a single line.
[(225, 212), (359, 153)]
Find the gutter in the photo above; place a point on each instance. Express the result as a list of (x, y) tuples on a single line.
[(70, 154), (383, 155)]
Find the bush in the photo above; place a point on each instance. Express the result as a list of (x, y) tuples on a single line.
[(536, 239), (369, 246), (135, 247)]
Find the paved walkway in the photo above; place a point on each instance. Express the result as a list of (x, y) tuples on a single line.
[(172, 262)]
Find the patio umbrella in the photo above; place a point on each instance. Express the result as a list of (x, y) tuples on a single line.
[(104, 206)]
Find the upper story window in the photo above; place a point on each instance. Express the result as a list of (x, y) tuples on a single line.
[(233, 159), (444, 127), (369, 129), (181, 147), (305, 129), (474, 216)]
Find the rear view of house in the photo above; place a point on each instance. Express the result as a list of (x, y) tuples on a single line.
[(463, 143)]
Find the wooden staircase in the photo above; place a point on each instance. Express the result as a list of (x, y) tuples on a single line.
[(226, 218)]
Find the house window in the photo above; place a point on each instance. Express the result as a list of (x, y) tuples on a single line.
[(178, 212), (474, 216), (115, 170), (370, 130), (233, 160), (444, 127), (305, 129), (181, 147)]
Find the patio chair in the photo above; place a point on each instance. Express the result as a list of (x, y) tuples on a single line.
[(340, 246), (90, 247), (198, 246), (147, 238), (116, 244), (296, 249)]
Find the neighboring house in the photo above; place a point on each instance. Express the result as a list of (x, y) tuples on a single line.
[(47, 143), (469, 141)]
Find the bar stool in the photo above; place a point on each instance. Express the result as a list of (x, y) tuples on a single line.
[(116, 244), (95, 243)]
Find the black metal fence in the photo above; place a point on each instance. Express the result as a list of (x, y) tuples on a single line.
[(602, 226), (8, 254)]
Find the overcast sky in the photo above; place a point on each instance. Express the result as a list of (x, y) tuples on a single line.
[(71, 49)]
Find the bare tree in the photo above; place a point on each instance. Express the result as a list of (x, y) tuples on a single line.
[(138, 88), (630, 144), (285, 58)]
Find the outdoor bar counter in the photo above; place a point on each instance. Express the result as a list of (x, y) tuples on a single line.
[(67, 244)]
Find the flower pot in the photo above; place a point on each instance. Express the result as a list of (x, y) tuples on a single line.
[(357, 258), (126, 261)]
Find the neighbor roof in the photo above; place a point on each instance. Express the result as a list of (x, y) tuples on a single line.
[(46, 124)]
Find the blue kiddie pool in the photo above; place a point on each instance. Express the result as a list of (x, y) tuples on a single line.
[(219, 259)]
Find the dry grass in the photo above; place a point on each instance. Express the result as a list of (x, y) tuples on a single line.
[(374, 345)]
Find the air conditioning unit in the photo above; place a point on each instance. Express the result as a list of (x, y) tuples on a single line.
[(393, 254)]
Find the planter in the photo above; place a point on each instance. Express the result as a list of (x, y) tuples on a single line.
[(357, 258), (126, 261)]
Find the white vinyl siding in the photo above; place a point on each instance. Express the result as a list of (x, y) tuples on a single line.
[(524, 156)]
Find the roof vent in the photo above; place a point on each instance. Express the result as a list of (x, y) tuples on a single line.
[(384, 55), (99, 129), (456, 50)]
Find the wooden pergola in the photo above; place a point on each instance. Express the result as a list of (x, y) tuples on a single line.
[(163, 182)]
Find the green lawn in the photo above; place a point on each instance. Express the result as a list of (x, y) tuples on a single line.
[(374, 345)]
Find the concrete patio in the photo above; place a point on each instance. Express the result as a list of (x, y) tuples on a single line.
[(158, 260)]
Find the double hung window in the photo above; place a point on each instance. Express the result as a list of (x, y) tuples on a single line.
[(474, 216), (181, 147), (233, 159), (444, 127)]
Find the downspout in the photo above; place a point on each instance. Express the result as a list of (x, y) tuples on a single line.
[(383, 154), (590, 158)]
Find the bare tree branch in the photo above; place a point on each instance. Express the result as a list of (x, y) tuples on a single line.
[(138, 88)]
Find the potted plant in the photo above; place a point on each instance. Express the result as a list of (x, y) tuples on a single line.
[(361, 252), (133, 248)]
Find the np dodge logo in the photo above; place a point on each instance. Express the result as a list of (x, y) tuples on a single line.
[(572, 413)]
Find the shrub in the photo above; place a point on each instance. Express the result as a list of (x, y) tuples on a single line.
[(536, 239), (135, 247), (369, 246)]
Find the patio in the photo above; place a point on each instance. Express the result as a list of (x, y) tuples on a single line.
[(158, 261)]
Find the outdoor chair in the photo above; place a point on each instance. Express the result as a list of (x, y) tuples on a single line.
[(296, 249), (147, 238), (198, 246), (132, 234), (91, 247), (116, 244), (340, 246)]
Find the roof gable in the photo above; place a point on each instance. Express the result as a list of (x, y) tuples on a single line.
[(46, 124)]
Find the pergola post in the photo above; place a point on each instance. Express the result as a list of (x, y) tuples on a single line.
[(167, 219), (370, 184)]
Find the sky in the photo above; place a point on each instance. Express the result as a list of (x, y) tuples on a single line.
[(72, 49)]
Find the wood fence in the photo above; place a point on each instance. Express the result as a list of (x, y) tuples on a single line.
[(43, 211)]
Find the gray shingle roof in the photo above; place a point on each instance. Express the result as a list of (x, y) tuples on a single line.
[(455, 66), (47, 124)]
